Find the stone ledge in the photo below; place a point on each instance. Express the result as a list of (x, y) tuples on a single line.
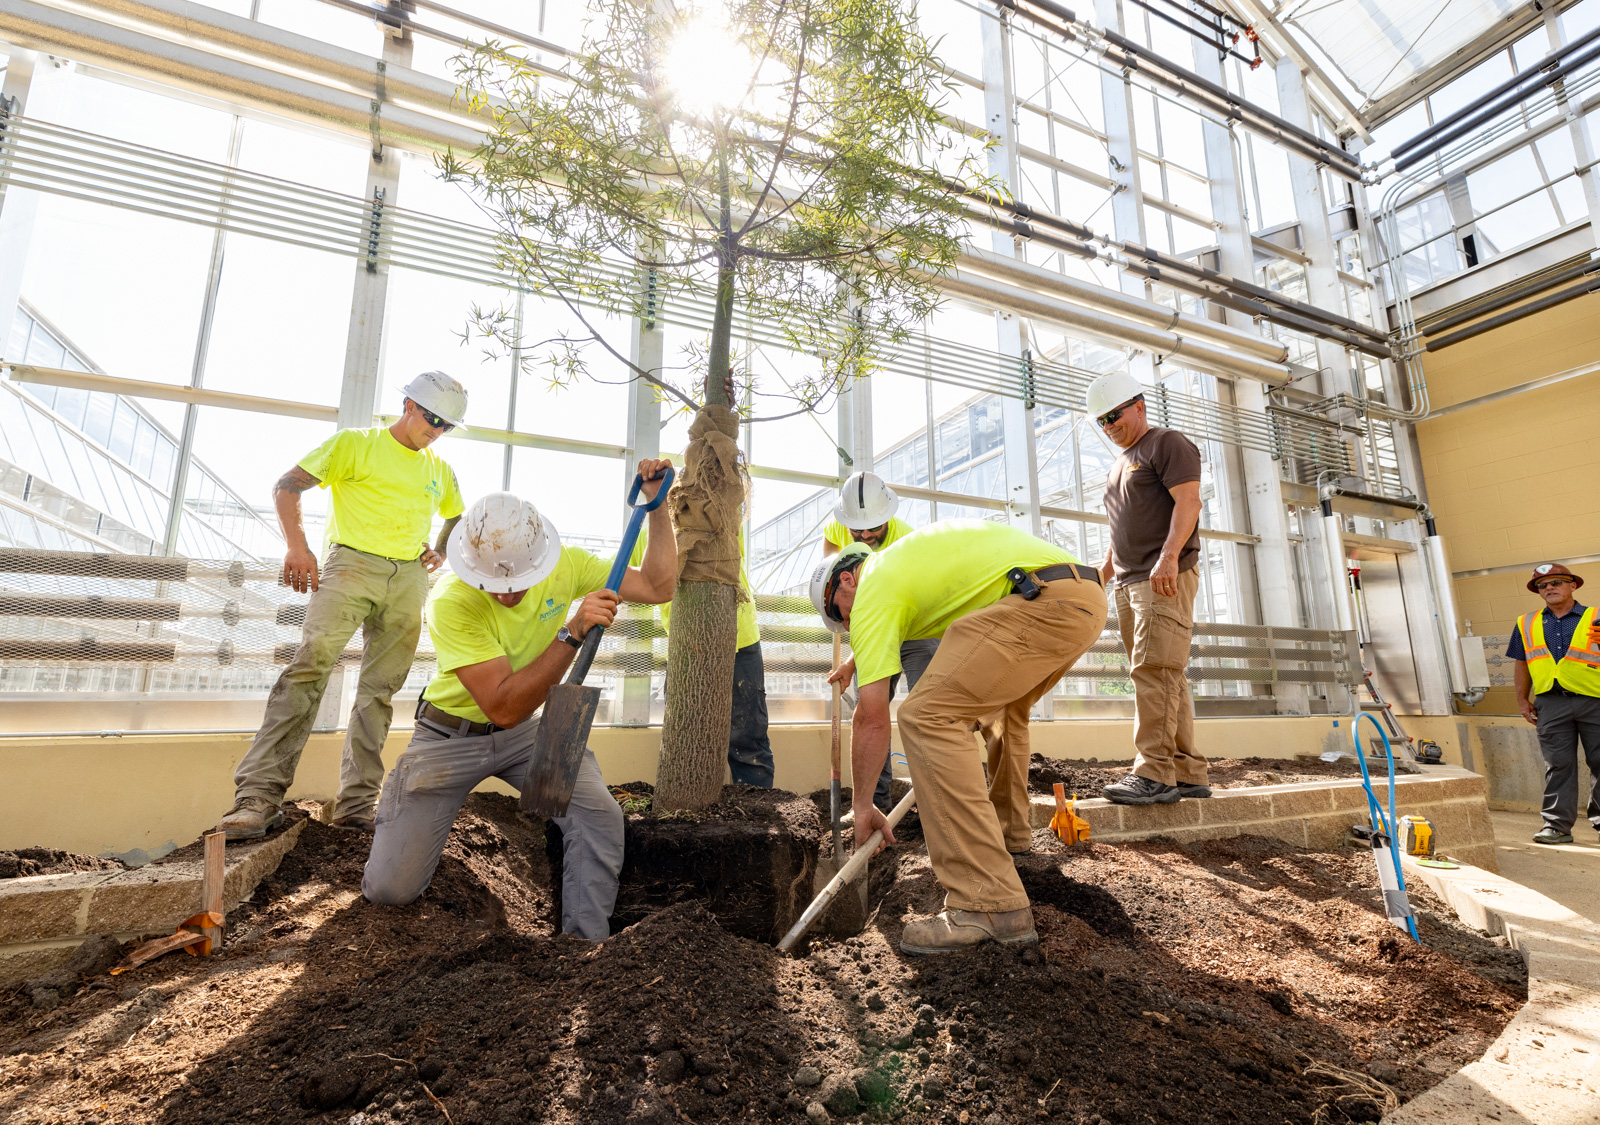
[(1545, 1067), (43, 918)]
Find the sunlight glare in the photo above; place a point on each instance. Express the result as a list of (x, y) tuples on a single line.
[(706, 67)]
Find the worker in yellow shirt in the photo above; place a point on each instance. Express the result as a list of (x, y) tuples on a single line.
[(1014, 614), (505, 626), (387, 485), (865, 514), (749, 748)]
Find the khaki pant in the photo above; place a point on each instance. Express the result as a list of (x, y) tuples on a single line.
[(1155, 632), (991, 668), (381, 597)]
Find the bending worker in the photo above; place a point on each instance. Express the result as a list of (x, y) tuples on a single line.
[(1003, 646), (498, 631), (1557, 654), (1152, 502), (865, 514), (387, 486)]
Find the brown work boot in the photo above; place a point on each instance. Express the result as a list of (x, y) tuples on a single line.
[(954, 930), (355, 822), (250, 819)]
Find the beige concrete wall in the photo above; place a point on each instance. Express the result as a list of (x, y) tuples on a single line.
[(1509, 481), (97, 795)]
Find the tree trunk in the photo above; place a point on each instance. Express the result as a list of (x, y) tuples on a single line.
[(707, 508)]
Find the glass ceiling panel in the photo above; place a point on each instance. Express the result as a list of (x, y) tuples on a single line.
[(1379, 45)]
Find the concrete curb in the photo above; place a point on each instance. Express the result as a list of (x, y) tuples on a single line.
[(1545, 1067), (1314, 814), (43, 918)]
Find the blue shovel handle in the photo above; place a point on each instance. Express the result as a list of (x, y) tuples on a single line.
[(630, 536)]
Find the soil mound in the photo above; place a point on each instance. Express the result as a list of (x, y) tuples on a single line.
[(1088, 778), (23, 862), (1231, 981)]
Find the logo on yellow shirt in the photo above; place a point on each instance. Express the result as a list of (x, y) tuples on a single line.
[(551, 609)]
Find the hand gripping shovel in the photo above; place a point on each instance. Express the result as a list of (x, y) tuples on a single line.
[(569, 709)]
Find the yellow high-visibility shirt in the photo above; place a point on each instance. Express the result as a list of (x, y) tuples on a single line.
[(919, 587), (469, 627), (839, 535), (384, 495), (749, 630)]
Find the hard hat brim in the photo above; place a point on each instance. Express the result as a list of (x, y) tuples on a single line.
[(501, 583)]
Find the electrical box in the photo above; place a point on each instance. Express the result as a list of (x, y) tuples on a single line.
[(1477, 665)]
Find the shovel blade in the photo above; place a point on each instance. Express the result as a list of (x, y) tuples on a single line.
[(558, 747)]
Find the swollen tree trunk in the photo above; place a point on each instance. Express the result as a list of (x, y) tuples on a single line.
[(707, 508)]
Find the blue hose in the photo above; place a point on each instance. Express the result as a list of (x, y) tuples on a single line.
[(1375, 810)]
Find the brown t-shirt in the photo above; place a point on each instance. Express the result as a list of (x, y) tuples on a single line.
[(1140, 507)]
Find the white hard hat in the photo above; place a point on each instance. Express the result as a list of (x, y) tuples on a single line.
[(865, 502), (440, 394), (852, 555), (1108, 392), (503, 545)]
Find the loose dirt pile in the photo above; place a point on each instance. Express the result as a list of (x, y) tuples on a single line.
[(48, 861), (1196, 984), (1087, 778)]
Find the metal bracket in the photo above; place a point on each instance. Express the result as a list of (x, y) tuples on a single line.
[(374, 229)]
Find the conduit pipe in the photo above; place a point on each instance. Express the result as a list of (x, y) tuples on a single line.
[(1112, 300), (1190, 351), (1344, 610), (349, 112), (1445, 599)]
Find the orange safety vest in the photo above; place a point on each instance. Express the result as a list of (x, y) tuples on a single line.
[(1578, 671)]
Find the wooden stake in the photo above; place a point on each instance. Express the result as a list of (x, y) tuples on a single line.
[(211, 884)]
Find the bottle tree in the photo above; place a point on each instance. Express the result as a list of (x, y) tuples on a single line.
[(783, 162)]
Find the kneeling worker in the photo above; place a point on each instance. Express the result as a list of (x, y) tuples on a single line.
[(497, 628), (1003, 646)]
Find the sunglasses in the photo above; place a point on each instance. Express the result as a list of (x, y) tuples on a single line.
[(859, 535), (1552, 584), (1109, 418), (435, 421)]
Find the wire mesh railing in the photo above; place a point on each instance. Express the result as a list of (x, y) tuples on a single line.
[(76, 626)]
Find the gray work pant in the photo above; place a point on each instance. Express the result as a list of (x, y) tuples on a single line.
[(381, 597), (430, 783), (914, 659), (1563, 721)]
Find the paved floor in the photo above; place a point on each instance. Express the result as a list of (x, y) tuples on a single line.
[(1568, 873)]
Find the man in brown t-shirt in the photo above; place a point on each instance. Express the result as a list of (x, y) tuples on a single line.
[(1153, 504)]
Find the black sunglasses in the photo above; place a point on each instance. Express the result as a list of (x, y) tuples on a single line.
[(1110, 417), (436, 422), (1551, 583)]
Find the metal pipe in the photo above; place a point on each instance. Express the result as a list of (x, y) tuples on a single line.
[(1445, 608), (18, 604), (1344, 612), (1549, 300), (1190, 352), (1509, 295)]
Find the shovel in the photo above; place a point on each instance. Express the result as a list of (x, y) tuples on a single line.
[(569, 709), (851, 915)]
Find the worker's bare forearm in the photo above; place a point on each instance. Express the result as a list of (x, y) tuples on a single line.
[(523, 692), (1185, 518), (286, 499), (444, 534), (660, 563), (869, 749)]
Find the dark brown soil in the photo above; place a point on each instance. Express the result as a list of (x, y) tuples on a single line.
[(48, 861), (1086, 778), (1185, 983)]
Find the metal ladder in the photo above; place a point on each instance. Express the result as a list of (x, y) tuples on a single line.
[(1381, 705)]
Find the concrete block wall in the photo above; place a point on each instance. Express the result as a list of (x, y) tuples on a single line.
[(1312, 815), (43, 918)]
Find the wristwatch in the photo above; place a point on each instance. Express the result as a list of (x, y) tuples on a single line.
[(566, 635)]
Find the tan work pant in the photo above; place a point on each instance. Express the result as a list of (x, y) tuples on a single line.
[(381, 597), (991, 668), (1156, 631)]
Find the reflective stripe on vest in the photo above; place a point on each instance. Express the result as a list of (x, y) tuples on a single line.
[(1578, 671)]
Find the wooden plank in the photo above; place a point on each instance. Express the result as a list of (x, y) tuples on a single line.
[(211, 884)]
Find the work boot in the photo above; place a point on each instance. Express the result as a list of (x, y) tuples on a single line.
[(1187, 790), (355, 822), (954, 930), (1548, 835), (1136, 790), (250, 819)]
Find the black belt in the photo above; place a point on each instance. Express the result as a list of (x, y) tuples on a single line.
[(1028, 584), (453, 724)]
